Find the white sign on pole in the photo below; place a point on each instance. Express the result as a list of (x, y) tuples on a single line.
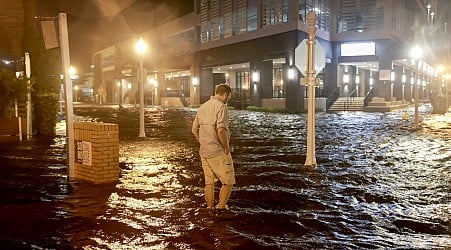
[(384, 74), (300, 57), (320, 58)]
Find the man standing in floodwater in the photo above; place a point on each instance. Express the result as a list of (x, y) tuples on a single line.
[(211, 129)]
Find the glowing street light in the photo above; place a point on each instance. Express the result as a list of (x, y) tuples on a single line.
[(141, 48), (76, 92), (416, 53), (73, 73), (290, 73)]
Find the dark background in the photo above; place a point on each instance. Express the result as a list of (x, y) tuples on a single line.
[(96, 24)]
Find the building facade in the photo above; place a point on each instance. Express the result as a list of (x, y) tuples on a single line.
[(251, 44)]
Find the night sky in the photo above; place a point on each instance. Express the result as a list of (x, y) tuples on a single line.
[(96, 24)]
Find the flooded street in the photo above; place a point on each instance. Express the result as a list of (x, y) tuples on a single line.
[(377, 185)]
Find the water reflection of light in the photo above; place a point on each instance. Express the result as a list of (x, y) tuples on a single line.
[(438, 122), (375, 182)]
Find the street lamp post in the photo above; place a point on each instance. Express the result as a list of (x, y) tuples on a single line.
[(311, 74), (416, 54), (76, 93), (141, 49), (73, 76)]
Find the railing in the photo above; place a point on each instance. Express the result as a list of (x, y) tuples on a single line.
[(175, 93), (183, 99), (369, 96), (240, 98), (332, 98), (171, 93), (349, 100), (352, 95), (240, 94)]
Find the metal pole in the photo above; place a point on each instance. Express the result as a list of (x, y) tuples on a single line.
[(19, 119), (311, 29), (28, 74), (416, 86), (65, 59), (61, 99), (142, 133)]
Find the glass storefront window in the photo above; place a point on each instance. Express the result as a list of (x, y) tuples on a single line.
[(242, 85), (278, 90), (322, 10), (274, 12), (252, 18)]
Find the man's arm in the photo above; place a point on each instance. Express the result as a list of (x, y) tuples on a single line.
[(196, 134), (224, 139), (195, 128)]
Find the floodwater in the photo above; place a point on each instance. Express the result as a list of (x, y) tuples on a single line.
[(378, 184)]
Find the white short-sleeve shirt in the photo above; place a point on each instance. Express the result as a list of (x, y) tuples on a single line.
[(211, 115)]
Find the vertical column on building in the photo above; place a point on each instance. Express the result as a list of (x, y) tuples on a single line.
[(362, 79), (206, 85), (266, 77), (293, 12), (397, 83), (333, 73), (98, 78), (384, 87), (407, 85), (195, 84), (294, 99), (344, 79), (160, 87), (255, 71)]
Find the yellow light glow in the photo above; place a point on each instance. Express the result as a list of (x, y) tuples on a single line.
[(72, 70), (291, 74), (416, 52), (195, 81), (346, 78), (141, 47), (73, 73)]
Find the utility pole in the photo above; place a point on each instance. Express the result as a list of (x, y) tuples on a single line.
[(65, 61)]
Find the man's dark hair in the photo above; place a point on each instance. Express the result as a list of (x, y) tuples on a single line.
[(223, 88)]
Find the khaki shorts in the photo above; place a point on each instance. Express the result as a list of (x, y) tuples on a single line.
[(219, 167)]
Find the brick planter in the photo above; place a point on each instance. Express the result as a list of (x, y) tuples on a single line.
[(97, 151)]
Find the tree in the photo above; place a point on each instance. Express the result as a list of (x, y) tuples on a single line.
[(11, 89), (45, 76)]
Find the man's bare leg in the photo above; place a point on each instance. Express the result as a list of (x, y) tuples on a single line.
[(224, 195), (210, 195)]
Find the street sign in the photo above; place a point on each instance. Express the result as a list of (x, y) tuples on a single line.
[(300, 57), (320, 58)]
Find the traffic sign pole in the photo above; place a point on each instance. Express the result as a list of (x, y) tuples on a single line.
[(310, 59), (310, 160)]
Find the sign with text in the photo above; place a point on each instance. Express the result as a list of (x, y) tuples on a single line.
[(384, 74), (358, 49), (84, 152)]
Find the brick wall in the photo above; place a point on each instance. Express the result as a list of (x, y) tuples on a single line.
[(97, 151)]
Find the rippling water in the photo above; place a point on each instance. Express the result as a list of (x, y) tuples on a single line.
[(377, 185)]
